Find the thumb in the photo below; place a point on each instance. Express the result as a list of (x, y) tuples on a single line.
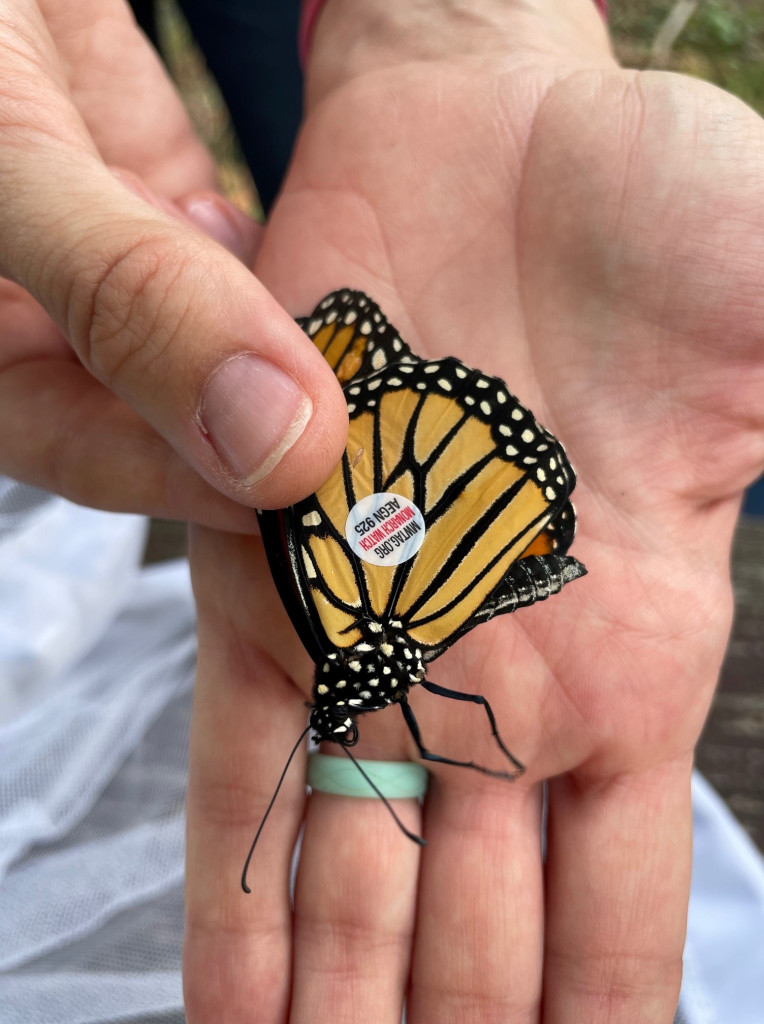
[(169, 320), (179, 329)]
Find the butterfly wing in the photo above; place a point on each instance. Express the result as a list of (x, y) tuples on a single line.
[(354, 336), (558, 534), (491, 485), (530, 579)]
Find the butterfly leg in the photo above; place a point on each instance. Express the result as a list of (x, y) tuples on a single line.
[(476, 698), (426, 755)]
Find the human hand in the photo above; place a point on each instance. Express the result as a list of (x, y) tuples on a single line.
[(143, 368), (593, 236)]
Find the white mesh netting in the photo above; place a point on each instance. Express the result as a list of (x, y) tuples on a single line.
[(96, 669)]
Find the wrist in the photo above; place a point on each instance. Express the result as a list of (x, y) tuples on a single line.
[(352, 37)]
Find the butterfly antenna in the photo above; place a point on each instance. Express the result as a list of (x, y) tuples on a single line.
[(411, 835), (244, 885)]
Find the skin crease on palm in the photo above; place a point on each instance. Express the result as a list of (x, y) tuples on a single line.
[(593, 236)]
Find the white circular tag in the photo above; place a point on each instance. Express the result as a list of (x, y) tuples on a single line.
[(385, 529)]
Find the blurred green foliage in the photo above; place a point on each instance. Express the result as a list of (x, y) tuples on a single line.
[(722, 42), (724, 28)]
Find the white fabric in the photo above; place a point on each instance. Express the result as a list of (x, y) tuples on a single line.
[(96, 669), (724, 952), (64, 573)]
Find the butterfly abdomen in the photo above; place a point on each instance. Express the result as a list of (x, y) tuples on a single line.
[(534, 579)]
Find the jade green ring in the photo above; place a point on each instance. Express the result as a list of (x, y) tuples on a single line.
[(396, 780)]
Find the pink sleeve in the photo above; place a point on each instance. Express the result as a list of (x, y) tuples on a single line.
[(308, 15), (312, 8)]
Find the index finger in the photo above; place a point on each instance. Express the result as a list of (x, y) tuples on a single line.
[(247, 714)]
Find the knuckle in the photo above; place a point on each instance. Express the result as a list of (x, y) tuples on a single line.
[(612, 984), (215, 987), (228, 805), (467, 1003), (127, 307), (339, 950)]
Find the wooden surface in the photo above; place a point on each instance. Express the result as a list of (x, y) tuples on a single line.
[(731, 750)]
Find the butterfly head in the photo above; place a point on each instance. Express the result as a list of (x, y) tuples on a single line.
[(336, 724)]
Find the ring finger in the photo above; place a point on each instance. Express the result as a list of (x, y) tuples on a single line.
[(355, 905)]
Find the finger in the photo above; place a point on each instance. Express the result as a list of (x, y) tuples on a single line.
[(478, 952), (221, 220), (28, 331), (247, 715), (210, 213), (124, 96), (167, 319), (66, 433), (354, 911), (137, 120), (618, 875)]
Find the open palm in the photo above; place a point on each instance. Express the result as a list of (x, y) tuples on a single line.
[(595, 238)]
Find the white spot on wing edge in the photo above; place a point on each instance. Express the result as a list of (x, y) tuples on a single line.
[(311, 519), (307, 561)]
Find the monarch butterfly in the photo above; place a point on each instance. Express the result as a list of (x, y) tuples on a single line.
[(450, 506)]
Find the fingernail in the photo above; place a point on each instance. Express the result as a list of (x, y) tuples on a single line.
[(253, 413), (211, 216)]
